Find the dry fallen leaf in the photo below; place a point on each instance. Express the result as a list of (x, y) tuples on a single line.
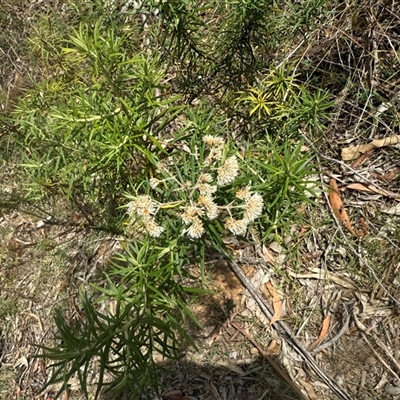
[(234, 368), (358, 186), (392, 210), (353, 152), (363, 227), (387, 176), (318, 273), (267, 254), (360, 159), (323, 333), (22, 361), (276, 302), (338, 207), (274, 348), (393, 390), (310, 390), (276, 247), (303, 230), (373, 189)]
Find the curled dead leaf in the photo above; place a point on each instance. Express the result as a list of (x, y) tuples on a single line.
[(22, 361), (277, 302), (303, 229), (387, 176), (274, 348), (358, 186), (338, 207), (360, 159), (353, 152), (323, 333), (309, 389), (267, 254), (394, 390), (372, 189), (318, 273), (234, 368)]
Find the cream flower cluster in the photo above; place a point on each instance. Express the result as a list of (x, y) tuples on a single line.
[(199, 204), (144, 209), (253, 206)]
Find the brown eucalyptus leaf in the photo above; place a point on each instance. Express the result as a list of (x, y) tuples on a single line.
[(276, 302), (338, 207), (353, 152)]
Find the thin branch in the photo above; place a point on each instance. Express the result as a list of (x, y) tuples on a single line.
[(277, 368), (286, 334)]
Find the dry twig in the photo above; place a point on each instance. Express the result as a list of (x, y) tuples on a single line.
[(277, 368), (287, 335)]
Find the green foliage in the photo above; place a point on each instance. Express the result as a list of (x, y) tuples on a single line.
[(182, 23), (313, 110), (301, 18), (284, 176), (246, 27), (275, 95), (104, 119), (214, 47), (282, 104), (141, 321), (7, 308), (173, 125)]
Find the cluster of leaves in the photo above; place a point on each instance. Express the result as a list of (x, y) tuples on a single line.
[(106, 129), (283, 105), (104, 120), (143, 317)]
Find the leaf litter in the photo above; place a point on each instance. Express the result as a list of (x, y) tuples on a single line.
[(353, 152), (338, 208), (277, 302)]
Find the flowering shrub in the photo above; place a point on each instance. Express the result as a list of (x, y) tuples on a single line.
[(196, 202)]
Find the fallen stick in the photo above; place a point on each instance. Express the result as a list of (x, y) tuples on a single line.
[(286, 334)]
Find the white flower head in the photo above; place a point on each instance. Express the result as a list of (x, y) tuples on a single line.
[(143, 206), (152, 228), (205, 178), (228, 171), (154, 182), (236, 226), (187, 185), (254, 206), (190, 213), (206, 189), (207, 202), (214, 155), (244, 193), (212, 212), (196, 229), (212, 141)]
